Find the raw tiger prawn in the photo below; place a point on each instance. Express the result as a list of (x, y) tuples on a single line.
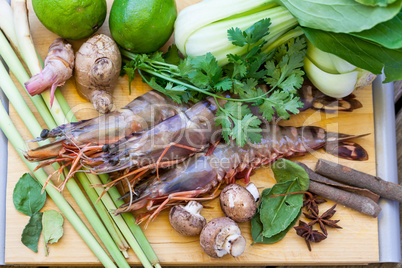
[(201, 176), (89, 137), (167, 136)]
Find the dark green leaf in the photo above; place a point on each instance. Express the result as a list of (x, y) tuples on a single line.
[(343, 17), (31, 233), (27, 196), (277, 213), (380, 3), (387, 34), (251, 35), (256, 231), (172, 55), (52, 227), (361, 53), (286, 170)]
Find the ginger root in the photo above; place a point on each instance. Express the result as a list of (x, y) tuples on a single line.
[(97, 68), (59, 65)]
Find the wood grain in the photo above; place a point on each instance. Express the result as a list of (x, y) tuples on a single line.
[(356, 243)]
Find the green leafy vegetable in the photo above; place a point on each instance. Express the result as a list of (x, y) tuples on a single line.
[(31, 233), (387, 34), (27, 196), (361, 53), (257, 227), (277, 213), (52, 227), (194, 78), (284, 169), (380, 3), (344, 16)]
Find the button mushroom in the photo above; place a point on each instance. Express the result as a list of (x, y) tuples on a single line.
[(238, 203), (222, 236), (187, 220)]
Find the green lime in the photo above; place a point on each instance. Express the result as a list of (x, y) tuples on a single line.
[(71, 19), (142, 26)]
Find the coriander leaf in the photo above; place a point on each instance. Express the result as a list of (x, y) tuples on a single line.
[(283, 70), (221, 118), (246, 130), (277, 213), (52, 227), (238, 67), (251, 35), (27, 195), (177, 93), (172, 55), (31, 233), (224, 85), (285, 170), (202, 71), (280, 103), (130, 71)]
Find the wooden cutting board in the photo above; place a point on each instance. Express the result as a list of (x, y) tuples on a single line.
[(356, 243)]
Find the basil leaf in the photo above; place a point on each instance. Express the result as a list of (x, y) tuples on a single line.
[(256, 231), (27, 196), (277, 213), (52, 227), (387, 34), (344, 16), (285, 170), (361, 53), (31, 233)]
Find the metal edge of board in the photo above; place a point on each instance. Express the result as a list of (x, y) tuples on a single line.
[(387, 168)]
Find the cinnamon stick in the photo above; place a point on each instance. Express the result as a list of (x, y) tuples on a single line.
[(321, 179), (354, 201), (356, 178)]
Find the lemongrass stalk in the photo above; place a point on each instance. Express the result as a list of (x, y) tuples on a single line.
[(8, 55), (31, 59), (7, 18), (17, 142), (34, 127), (104, 214), (130, 220), (28, 52), (119, 220)]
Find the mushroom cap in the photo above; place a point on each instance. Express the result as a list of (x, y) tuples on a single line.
[(215, 233), (186, 222), (237, 203)]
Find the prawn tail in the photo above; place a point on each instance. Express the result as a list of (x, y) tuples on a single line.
[(347, 150), (339, 144)]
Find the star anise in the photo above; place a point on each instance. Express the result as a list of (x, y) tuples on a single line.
[(311, 203), (324, 219), (306, 231)]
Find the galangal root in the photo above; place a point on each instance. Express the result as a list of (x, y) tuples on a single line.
[(97, 68), (59, 65)]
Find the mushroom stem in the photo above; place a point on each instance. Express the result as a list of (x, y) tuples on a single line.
[(254, 191), (194, 207), (235, 245)]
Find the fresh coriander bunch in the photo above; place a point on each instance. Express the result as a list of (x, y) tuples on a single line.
[(195, 78)]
